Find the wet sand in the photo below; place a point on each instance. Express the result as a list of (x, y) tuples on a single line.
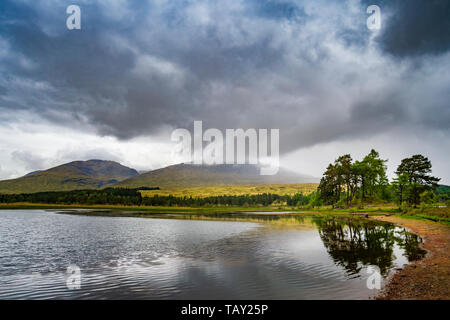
[(426, 279)]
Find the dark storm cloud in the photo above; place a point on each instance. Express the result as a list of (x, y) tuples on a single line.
[(306, 67), (414, 27)]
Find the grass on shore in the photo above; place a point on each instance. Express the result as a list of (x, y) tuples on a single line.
[(441, 215), (146, 209)]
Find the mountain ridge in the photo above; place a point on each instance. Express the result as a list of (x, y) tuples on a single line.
[(191, 175), (97, 174), (90, 174)]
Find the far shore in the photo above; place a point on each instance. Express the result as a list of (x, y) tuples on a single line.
[(436, 214)]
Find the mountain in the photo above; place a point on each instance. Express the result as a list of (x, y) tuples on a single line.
[(31, 173), (89, 174), (190, 175)]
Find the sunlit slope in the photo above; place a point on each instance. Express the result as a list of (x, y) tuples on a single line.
[(202, 192), (71, 176)]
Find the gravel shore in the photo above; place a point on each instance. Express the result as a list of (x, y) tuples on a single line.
[(426, 279)]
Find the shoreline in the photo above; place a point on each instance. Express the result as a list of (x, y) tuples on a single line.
[(425, 279)]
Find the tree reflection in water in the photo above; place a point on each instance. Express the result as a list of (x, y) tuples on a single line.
[(354, 243)]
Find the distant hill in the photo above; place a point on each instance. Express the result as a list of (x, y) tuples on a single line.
[(190, 175), (443, 192), (75, 175)]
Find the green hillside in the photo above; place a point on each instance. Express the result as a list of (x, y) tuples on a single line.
[(443, 193), (71, 176), (189, 175), (214, 191)]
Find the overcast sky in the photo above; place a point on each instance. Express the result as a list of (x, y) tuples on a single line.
[(139, 69)]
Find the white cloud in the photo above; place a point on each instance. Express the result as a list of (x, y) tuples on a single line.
[(29, 146), (315, 159)]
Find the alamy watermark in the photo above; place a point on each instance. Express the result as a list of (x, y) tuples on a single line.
[(374, 20), (210, 148), (73, 281), (374, 280), (73, 21)]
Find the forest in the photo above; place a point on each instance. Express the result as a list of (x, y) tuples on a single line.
[(347, 183), (124, 196)]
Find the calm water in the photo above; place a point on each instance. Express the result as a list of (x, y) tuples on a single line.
[(136, 258)]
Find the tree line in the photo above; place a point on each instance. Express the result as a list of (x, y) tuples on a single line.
[(346, 182), (125, 196)]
